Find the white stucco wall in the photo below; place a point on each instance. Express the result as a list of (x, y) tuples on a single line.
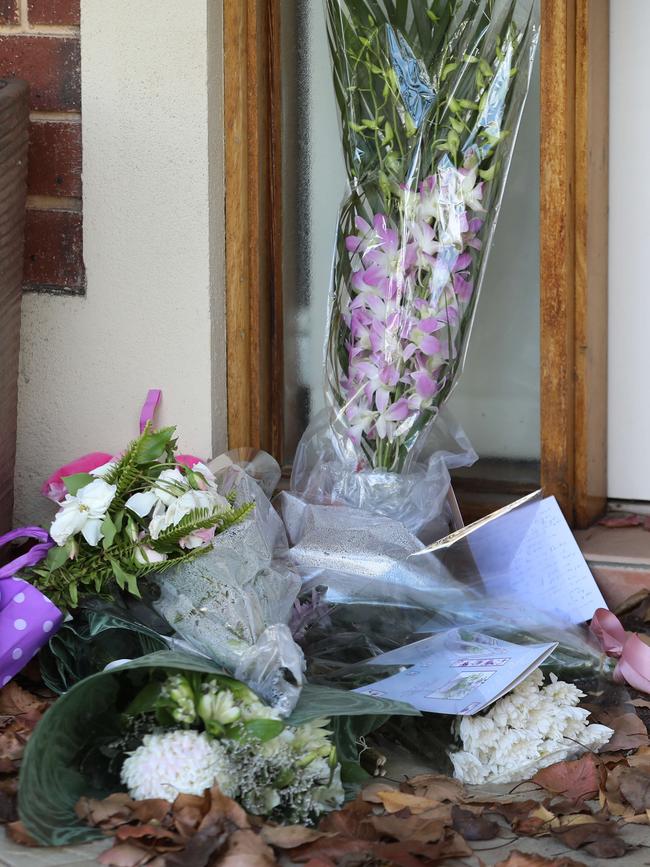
[(153, 315)]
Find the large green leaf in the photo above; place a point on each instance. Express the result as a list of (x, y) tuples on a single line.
[(62, 762)]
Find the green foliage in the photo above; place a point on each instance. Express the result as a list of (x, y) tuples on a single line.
[(76, 481), (79, 569)]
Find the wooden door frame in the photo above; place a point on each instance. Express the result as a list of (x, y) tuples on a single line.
[(574, 73)]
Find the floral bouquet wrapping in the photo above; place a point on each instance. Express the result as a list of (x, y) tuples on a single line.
[(158, 540), (169, 725), (430, 95)]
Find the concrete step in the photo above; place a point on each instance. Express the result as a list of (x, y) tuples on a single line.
[(619, 558)]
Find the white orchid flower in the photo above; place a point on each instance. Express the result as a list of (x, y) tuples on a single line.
[(169, 485), (83, 513)]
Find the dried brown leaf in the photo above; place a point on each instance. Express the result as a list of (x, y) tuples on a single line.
[(290, 836), (151, 810), (629, 733), (152, 836), (635, 788), (395, 801), (19, 834), (199, 850), (437, 787), (471, 826), (224, 808), (124, 855), (369, 792), (16, 701), (575, 780), (246, 849), (110, 813), (575, 836), (525, 859), (350, 821), (409, 828)]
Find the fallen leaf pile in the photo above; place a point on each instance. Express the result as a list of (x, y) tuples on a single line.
[(425, 820), (20, 710)]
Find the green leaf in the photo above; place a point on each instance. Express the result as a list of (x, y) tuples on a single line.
[(488, 174), (263, 729), (75, 482), (352, 772), (118, 520), (109, 530), (124, 578), (449, 67), (151, 446), (485, 68), (56, 557), (146, 700)]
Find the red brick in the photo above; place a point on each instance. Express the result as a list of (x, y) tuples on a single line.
[(53, 250), (50, 64), (54, 11), (54, 159), (9, 13)]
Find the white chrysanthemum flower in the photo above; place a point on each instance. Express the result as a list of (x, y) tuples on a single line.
[(532, 727), (178, 762)]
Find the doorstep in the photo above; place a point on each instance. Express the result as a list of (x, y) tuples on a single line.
[(619, 558), (13, 855)]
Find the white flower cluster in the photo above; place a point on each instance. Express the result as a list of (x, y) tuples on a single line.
[(173, 497), (530, 728), (291, 777), (178, 762)]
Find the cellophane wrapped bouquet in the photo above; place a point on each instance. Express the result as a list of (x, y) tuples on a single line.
[(152, 548), (430, 95)]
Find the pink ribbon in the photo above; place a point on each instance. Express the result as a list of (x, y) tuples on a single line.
[(54, 489), (633, 654)]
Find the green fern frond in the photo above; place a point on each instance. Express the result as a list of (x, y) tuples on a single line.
[(157, 568)]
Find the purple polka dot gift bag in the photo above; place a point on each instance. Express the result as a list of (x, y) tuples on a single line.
[(27, 617)]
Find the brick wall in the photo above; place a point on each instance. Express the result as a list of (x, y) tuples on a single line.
[(39, 41)]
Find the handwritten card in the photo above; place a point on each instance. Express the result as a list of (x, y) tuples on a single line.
[(456, 672), (526, 555)]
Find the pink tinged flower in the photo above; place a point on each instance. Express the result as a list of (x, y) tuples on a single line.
[(386, 421), (425, 384), (429, 344), (462, 287), (197, 539), (54, 489), (426, 243)]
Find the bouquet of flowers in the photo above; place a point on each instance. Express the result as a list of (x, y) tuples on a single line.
[(133, 515), (207, 730), (169, 723), (430, 95), (154, 549)]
